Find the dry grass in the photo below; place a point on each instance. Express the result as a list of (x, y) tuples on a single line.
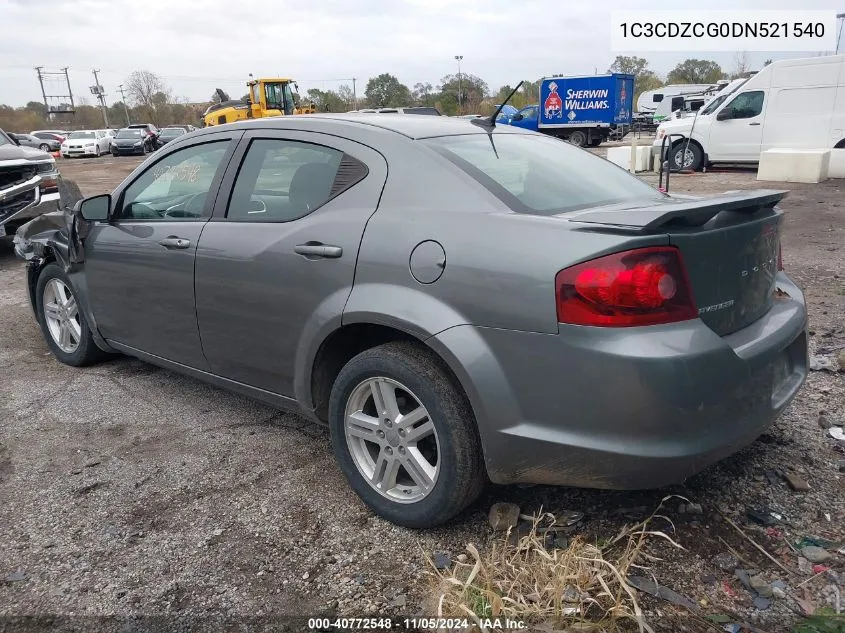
[(579, 588)]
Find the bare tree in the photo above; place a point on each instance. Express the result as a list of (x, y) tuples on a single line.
[(148, 92), (741, 64)]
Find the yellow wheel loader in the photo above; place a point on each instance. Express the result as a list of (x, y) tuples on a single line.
[(267, 97)]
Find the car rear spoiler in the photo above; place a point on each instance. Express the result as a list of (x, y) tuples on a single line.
[(679, 213)]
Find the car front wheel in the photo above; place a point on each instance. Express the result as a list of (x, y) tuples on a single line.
[(404, 435), (62, 321)]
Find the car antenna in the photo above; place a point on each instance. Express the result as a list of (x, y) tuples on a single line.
[(491, 122)]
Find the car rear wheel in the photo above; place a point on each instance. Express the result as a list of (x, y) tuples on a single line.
[(404, 435), (62, 321), (44, 147)]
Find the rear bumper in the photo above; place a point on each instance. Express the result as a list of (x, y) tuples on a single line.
[(627, 408)]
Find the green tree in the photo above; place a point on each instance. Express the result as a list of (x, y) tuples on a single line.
[(423, 93), (385, 90), (644, 78), (629, 65), (326, 100), (528, 94), (469, 90), (695, 71)]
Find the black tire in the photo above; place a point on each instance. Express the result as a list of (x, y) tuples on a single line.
[(578, 138), (44, 147), (596, 142), (679, 149), (87, 352), (461, 477)]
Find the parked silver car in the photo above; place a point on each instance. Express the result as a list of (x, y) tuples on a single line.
[(456, 302)]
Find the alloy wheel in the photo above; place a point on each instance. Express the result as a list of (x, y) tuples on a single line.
[(688, 157), (392, 440), (61, 314)]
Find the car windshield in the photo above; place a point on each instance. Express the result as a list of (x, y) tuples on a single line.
[(82, 134), (129, 133), (4, 140), (172, 131), (542, 175)]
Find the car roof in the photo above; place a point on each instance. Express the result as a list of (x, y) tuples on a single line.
[(414, 127)]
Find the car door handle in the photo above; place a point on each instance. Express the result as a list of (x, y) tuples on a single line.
[(318, 249), (753, 124), (175, 242)]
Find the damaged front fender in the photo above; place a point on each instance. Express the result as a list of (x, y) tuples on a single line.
[(58, 235)]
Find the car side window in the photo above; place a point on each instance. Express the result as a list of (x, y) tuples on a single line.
[(531, 114), (281, 180), (747, 105), (176, 187)]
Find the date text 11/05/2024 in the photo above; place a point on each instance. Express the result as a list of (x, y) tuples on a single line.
[(414, 624)]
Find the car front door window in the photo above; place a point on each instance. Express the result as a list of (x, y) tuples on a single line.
[(175, 187), (747, 105)]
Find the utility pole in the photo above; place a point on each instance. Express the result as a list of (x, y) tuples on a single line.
[(458, 58), (38, 70), (69, 91), (354, 95), (123, 101), (97, 90)]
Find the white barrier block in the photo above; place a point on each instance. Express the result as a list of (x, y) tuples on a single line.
[(837, 164), (622, 156), (794, 165)]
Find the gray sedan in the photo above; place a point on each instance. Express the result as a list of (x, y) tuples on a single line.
[(28, 140), (457, 302)]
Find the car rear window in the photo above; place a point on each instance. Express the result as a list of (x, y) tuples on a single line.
[(542, 175), (430, 111)]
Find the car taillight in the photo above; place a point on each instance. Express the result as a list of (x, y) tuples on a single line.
[(643, 286)]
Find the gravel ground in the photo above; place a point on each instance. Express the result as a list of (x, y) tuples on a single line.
[(127, 489)]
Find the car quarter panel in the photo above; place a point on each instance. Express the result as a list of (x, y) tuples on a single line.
[(498, 266)]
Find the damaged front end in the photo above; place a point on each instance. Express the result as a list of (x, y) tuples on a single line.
[(54, 235)]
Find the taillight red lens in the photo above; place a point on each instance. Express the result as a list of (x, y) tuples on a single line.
[(644, 286)]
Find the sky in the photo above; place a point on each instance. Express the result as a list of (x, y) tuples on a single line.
[(197, 46)]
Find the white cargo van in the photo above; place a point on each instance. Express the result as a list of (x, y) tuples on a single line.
[(791, 103)]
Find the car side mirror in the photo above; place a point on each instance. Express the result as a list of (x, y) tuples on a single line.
[(95, 208), (517, 117), (723, 115)]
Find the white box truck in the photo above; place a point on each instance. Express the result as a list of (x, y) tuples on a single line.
[(791, 104)]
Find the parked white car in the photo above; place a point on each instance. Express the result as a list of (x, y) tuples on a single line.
[(86, 143), (791, 104), (110, 134)]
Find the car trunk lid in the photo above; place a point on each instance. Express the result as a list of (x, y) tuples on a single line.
[(729, 244)]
